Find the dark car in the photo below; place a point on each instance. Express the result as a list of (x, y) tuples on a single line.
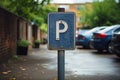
[(84, 39), (115, 42), (101, 40)]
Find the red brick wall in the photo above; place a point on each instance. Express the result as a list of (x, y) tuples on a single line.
[(8, 34)]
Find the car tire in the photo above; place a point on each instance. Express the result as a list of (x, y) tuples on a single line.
[(86, 47), (117, 53), (99, 50), (110, 47)]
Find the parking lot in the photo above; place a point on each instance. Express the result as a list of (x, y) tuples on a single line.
[(80, 64)]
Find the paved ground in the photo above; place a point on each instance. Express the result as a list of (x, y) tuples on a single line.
[(81, 64)]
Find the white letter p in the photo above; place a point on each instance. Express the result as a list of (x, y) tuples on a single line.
[(58, 30)]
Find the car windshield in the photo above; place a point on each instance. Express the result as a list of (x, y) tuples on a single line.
[(117, 30), (94, 30), (83, 31), (109, 28)]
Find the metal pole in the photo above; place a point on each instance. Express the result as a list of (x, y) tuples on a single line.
[(61, 65), (61, 58)]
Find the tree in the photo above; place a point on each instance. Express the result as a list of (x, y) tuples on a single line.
[(33, 10), (105, 12)]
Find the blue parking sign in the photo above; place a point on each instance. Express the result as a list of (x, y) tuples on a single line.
[(61, 31)]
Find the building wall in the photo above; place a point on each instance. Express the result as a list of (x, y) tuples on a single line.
[(24, 30), (77, 9), (12, 29), (38, 35), (8, 36), (29, 35)]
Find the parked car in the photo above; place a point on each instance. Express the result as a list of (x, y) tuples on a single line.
[(84, 39), (101, 40), (81, 31), (115, 42)]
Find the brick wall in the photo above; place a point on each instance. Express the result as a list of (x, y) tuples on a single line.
[(12, 29), (35, 32), (24, 30), (8, 34), (29, 35)]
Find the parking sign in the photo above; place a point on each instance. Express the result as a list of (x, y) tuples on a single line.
[(61, 31)]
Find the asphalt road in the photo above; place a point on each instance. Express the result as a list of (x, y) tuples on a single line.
[(80, 64)]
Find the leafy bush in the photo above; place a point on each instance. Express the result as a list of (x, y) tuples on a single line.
[(37, 41), (23, 43)]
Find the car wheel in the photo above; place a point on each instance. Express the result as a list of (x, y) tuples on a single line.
[(86, 47), (99, 50), (110, 48), (117, 53)]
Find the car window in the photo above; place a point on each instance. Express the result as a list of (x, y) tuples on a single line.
[(117, 30), (108, 29), (94, 30)]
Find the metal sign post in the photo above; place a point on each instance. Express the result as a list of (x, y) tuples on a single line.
[(61, 36), (61, 58), (61, 64)]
